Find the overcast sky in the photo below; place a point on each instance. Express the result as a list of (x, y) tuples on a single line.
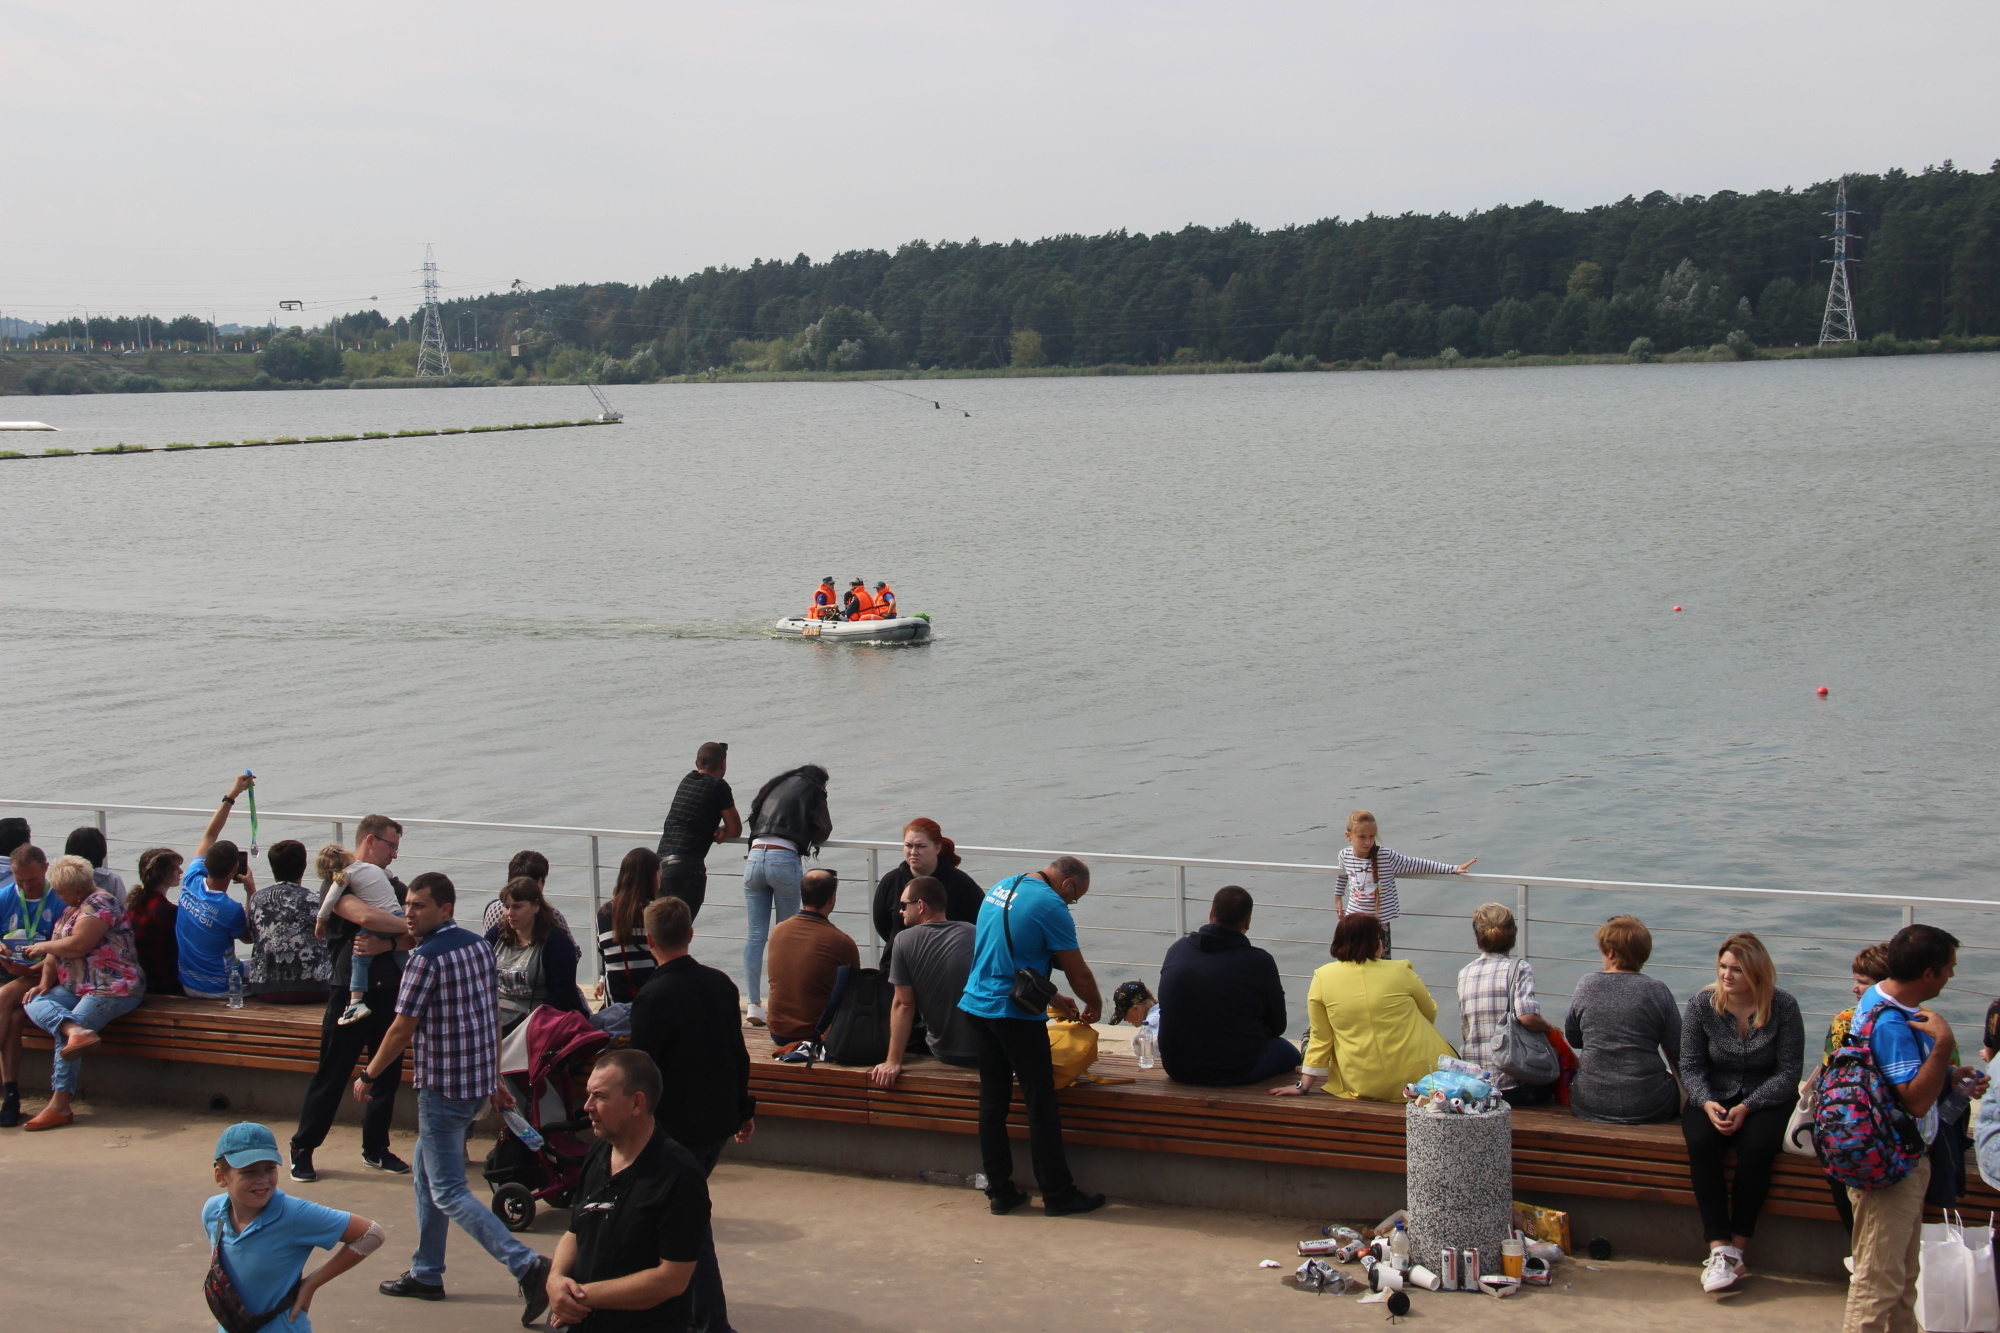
[(222, 157)]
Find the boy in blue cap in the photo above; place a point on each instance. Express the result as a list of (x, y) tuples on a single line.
[(259, 1238)]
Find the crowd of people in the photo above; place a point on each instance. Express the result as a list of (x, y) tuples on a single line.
[(971, 975)]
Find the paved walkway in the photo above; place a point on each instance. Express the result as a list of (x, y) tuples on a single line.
[(106, 1213)]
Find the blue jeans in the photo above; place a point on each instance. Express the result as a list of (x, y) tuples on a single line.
[(443, 1196), (770, 881), (61, 1005)]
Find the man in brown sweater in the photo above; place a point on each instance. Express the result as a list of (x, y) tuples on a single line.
[(806, 953)]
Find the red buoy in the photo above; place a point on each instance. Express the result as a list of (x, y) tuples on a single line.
[(1677, 608), (1822, 691)]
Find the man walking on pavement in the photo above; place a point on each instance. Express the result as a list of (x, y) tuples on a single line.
[(377, 838), (450, 1004)]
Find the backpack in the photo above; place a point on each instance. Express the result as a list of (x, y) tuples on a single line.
[(856, 1030), (1866, 1139)]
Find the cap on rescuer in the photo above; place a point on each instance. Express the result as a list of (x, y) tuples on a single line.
[(247, 1144)]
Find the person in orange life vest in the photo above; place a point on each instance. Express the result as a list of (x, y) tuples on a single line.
[(885, 602), (858, 604), (825, 599)]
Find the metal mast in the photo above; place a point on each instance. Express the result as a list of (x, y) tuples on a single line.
[(1838, 324), (432, 363)]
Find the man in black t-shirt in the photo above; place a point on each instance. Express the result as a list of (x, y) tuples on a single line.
[(703, 813), (639, 1216)]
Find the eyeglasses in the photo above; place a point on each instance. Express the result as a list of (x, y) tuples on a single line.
[(908, 903)]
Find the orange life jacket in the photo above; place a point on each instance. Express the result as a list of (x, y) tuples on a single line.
[(863, 607), (885, 603), (825, 600)]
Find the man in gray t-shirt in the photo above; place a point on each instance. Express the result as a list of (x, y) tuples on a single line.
[(933, 956)]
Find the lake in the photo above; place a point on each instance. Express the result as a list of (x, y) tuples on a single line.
[(1195, 615)]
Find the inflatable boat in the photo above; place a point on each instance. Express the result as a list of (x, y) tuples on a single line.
[(903, 629)]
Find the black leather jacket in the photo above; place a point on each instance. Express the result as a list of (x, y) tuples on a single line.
[(795, 810)]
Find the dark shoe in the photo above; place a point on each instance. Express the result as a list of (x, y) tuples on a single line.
[(387, 1161), (409, 1286), (535, 1292), (1071, 1202), (10, 1112), (1003, 1201), (302, 1165)]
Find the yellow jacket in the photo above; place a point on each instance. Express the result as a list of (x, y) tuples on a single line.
[(1372, 1029)]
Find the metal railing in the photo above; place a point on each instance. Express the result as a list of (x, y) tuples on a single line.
[(1979, 964)]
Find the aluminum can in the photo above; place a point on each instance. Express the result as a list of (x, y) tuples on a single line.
[(1448, 1264), (1468, 1268), (1315, 1247)]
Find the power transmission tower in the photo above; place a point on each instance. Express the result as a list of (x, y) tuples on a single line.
[(432, 363), (1838, 324)]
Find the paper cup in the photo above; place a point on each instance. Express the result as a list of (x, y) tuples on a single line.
[(1511, 1254)]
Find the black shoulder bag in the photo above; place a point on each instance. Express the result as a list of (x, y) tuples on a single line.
[(1031, 990)]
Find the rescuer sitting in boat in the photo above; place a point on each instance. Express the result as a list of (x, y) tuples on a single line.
[(826, 601), (858, 605), (885, 602)]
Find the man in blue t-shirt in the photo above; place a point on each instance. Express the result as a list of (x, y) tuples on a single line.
[(1913, 1049), (209, 921), (1025, 922), (28, 914)]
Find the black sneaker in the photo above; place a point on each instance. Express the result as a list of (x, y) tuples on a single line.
[(386, 1161), (1005, 1200), (10, 1111), (409, 1286), (535, 1292), (1071, 1202), (302, 1165)]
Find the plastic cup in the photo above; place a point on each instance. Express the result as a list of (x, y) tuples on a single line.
[(1511, 1254)]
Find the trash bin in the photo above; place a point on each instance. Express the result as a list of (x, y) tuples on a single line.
[(1460, 1183)]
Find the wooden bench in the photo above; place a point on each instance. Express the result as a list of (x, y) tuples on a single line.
[(1554, 1152)]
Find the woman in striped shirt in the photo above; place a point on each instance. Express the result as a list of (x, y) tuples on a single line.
[(1368, 870), (623, 959)]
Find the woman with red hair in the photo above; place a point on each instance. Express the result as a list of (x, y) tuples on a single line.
[(926, 851)]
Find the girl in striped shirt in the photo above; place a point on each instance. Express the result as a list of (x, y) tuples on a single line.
[(1368, 870)]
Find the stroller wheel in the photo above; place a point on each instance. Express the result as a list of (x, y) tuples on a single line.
[(514, 1205)]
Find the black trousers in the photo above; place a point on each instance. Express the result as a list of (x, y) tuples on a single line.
[(711, 1306), (688, 881), (1727, 1213), (1010, 1050), (340, 1051)]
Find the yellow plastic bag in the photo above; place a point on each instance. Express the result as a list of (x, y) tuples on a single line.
[(1072, 1050), (1544, 1224)]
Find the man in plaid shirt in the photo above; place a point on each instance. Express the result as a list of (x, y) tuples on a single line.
[(450, 1004)]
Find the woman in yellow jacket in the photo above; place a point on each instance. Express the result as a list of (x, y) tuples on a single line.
[(1372, 1021)]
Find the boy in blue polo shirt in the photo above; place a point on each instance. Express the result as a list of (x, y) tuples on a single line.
[(259, 1236)]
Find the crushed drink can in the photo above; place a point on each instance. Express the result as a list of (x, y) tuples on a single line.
[(1351, 1251), (1318, 1247), (1448, 1268)]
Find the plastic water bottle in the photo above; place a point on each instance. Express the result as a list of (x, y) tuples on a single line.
[(522, 1130), (1399, 1247), (1142, 1046), (235, 988)]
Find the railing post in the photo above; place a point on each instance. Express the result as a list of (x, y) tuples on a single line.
[(874, 938), (596, 897), (1521, 918), (1180, 901), (104, 826), (1909, 914), (339, 833)]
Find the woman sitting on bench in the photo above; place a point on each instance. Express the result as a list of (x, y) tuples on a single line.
[(90, 975)]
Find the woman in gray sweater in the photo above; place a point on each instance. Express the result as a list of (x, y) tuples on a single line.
[(1620, 1021), (1742, 1043)]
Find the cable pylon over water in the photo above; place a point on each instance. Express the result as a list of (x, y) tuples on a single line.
[(432, 363), (1838, 324)]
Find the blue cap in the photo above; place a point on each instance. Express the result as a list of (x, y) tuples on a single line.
[(248, 1144)]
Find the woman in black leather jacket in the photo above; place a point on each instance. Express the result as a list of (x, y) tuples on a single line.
[(788, 819)]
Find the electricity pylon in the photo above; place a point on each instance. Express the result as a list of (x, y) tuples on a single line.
[(432, 363), (1837, 326)]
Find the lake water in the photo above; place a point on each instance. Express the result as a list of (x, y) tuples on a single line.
[(1183, 615)]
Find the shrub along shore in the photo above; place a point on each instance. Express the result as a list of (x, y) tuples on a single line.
[(122, 448)]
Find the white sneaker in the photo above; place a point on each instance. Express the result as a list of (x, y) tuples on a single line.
[(756, 1016), (1848, 1264), (353, 1013), (1724, 1266)]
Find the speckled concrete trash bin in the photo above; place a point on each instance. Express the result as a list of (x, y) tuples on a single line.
[(1460, 1184)]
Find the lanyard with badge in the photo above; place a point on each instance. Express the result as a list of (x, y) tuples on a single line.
[(34, 918)]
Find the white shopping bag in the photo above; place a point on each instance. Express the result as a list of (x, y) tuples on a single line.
[(1955, 1291)]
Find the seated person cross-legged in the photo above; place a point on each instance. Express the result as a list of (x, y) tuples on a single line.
[(1490, 988), (806, 953), (933, 957), (1222, 1006), (90, 976), (1372, 1021)]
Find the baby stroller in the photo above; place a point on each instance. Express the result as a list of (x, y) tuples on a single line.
[(546, 1061)]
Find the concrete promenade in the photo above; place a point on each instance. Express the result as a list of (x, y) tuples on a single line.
[(103, 1234)]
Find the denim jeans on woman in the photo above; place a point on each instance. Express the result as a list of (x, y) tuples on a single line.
[(61, 1005), (443, 1197), (770, 882)]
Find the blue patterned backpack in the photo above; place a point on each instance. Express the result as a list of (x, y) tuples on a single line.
[(1866, 1139)]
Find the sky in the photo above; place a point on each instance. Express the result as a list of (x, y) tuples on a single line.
[(218, 158)]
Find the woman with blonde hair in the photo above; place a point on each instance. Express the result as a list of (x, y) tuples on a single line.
[(1368, 870), (1620, 1022), (90, 975), (1742, 1042), (1371, 1018)]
